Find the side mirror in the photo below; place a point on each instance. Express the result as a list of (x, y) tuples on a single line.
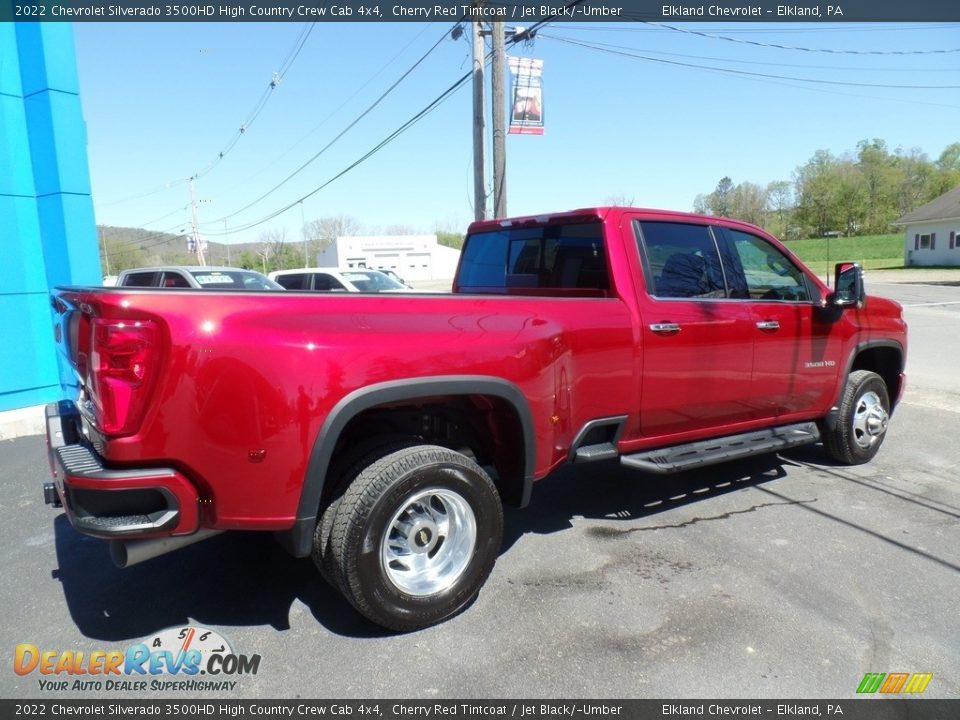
[(848, 286)]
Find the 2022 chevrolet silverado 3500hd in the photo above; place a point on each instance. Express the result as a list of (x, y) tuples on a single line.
[(382, 434)]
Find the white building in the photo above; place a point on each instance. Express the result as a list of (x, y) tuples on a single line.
[(933, 232), (412, 257)]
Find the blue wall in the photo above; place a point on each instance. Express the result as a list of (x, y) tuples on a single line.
[(47, 230)]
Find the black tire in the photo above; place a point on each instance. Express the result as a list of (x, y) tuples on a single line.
[(416, 536), (862, 425), (343, 472), (321, 543)]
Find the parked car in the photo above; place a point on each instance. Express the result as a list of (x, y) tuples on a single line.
[(394, 276), (196, 276), (337, 280)]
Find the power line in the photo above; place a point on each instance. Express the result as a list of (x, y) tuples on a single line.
[(764, 63), (148, 193), (258, 107), (366, 156), (778, 46), (816, 29), (748, 73), (323, 122), (822, 90), (343, 132), (430, 107), (261, 103), (164, 217)]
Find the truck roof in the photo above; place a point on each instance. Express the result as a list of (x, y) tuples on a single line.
[(188, 268), (600, 213)]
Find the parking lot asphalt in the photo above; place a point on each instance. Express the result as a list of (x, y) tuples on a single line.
[(781, 576)]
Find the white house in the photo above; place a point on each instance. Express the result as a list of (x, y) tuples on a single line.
[(933, 232), (412, 257)]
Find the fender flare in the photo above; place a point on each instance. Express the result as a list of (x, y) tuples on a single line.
[(833, 415), (299, 539)]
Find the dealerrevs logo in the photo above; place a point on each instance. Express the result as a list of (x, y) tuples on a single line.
[(154, 664)]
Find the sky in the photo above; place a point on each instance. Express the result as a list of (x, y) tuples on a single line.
[(162, 101)]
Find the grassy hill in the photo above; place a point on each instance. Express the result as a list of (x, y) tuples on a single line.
[(122, 248), (872, 251)]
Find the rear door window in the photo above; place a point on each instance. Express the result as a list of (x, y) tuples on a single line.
[(681, 260), (173, 279), (326, 283), (142, 279), (294, 281)]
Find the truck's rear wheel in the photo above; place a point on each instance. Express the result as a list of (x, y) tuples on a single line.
[(350, 464), (862, 424), (415, 536)]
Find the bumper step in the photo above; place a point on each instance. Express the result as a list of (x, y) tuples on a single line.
[(81, 462), (708, 452), (593, 453), (91, 515), (111, 502)]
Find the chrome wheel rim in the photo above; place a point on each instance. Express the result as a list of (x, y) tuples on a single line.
[(429, 542), (870, 419)]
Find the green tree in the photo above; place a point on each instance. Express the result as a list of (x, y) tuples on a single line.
[(857, 193), (719, 201), (780, 203), (817, 185), (948, 169), (248, 261), (917, 182), (850, 197), (323, 232), (879, 173), (701, 204), (450, 239), (619, 200), (274, 252), (118, 252), (748, 202)]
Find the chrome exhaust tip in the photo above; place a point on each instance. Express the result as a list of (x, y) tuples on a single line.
[(126, 553)]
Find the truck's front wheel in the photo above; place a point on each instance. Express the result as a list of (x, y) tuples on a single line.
[(863, 419), (415, 536)]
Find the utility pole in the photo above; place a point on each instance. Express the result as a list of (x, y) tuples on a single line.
[(106, 255), (498, 69), (303, 234), (226, 240), (479, 189), (197, 245)]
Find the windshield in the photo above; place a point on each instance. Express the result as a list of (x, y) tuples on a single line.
[(372, 281), (233, 280)]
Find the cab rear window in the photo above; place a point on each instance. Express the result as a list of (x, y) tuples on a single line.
[(549, 260)]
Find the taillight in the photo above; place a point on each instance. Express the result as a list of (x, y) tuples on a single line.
[(123, 362)]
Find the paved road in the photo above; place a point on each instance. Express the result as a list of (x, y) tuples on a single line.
[(933, 312), (778, 577)]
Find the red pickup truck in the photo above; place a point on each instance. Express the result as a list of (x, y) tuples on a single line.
[(381, 434)]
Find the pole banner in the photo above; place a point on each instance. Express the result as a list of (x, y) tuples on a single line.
[(526, 108)]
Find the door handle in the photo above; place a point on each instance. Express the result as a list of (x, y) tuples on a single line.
[(768, 325), (665, 328)]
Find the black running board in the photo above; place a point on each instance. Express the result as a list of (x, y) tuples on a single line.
[(708, 452)]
